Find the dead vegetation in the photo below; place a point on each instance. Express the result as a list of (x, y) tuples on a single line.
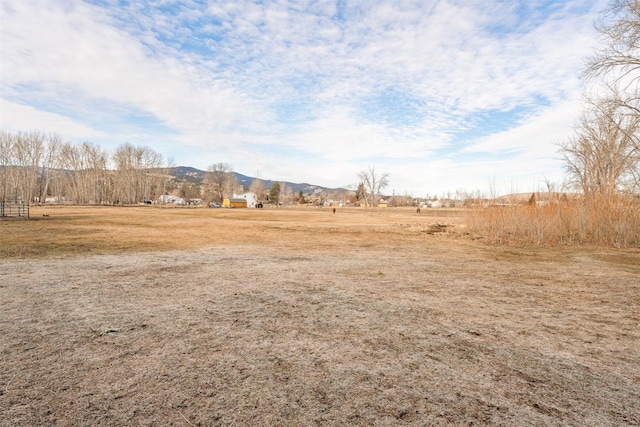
[(612, 221), (301, 317)]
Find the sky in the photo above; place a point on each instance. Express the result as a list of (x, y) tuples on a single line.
[(446, 96)]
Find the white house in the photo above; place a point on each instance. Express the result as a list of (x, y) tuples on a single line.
[(251, 198), (167, 198)]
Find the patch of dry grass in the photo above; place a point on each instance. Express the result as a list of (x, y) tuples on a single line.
[(300, 317), (97, 230), (604, 222)]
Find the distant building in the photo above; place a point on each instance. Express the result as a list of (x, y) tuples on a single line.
[(251, 199), (168, 198), (234, 202)]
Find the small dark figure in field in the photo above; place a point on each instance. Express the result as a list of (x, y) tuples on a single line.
[(334, 211), (418, 210)]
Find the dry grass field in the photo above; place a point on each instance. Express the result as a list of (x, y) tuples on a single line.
[(299, 317)]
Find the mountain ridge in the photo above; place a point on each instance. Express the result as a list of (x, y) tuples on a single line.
[(196, 176)]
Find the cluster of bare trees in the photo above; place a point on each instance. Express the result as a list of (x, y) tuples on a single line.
[(27, 161), (603, 157), (36, 167)]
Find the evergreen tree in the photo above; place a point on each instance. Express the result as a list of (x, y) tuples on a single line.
[(274, 194)]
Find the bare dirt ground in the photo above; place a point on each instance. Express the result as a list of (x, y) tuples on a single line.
[(150, 316)]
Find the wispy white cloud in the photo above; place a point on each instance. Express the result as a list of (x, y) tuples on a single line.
[(25, 118), (310, 90), (81, 52), (537, 135)]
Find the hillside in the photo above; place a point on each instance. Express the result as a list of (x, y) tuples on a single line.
[(196, 176)]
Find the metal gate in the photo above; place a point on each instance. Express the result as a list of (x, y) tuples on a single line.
[(17, 208)]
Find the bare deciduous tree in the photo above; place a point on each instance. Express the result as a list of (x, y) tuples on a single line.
[(619, 57), (6, 162), (49, 166), (233, 186), (616, 64), (373, 183), (604, 155), (258, 188), (101, 183), (216, 181), (73, 162), (286, 195)]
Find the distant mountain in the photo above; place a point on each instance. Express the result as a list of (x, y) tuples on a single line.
[(187, 174), (196, 176)]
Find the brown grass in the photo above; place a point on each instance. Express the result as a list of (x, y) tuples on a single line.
[(604, 222), (148, 316)]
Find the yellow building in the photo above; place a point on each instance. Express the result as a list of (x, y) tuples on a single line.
[(234, 203)]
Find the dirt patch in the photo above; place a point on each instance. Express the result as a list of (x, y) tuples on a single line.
[(305, 318)]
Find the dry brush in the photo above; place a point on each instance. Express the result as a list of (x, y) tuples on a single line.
[(612, 221)]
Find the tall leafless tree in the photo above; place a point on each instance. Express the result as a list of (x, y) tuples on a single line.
[(374, 183), (217, 181), (258, 188), (604, 155), (619, 56), (49, 166), (6, 164), (127, 161), (286, 195), (100, 183), (616, 64)]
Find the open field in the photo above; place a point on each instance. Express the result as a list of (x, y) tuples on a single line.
[(214, 317)]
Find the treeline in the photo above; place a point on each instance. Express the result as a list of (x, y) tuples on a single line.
[(41, 168), (38, 167)]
